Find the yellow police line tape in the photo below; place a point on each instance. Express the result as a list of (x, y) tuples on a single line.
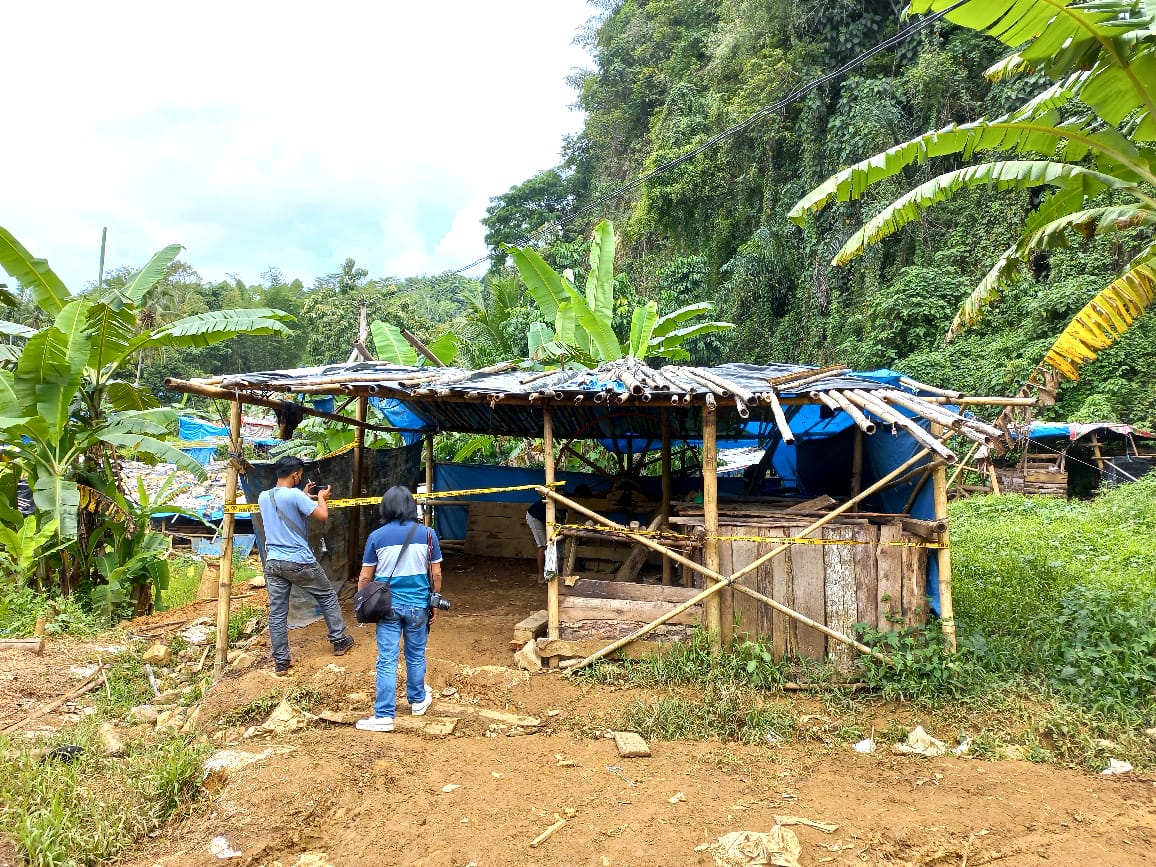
[(766, 540), (234, 508)]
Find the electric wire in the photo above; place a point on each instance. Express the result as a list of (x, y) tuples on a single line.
[(794, 96)]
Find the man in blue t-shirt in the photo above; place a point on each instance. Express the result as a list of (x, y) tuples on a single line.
[(408, 556), (289, 560)]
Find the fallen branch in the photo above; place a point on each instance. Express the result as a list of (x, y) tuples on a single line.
[(545, 835)]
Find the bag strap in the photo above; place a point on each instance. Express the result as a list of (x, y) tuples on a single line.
[(285, 518), (405, 544)]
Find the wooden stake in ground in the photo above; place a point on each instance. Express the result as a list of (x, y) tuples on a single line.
[(228, 523), (667, 489), (943, 555), (553, 600)]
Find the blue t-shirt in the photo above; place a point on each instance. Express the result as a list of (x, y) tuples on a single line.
[(287, 538), (410, 583)]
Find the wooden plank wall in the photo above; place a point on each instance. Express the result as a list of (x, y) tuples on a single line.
[(879, 579)]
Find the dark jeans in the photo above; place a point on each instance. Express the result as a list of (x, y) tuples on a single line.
[(280, 576)]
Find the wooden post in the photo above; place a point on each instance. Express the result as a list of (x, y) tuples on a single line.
[(857, 464), (943, 555), (552, 595), (667, 490), (354, 538), (712, 607), (228, 522), (428, 507), (1099, 455)]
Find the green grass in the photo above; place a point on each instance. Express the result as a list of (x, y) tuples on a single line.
[(89, 811), (185, 579)]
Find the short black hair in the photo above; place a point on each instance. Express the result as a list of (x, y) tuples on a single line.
[(398, 504), (287, 465)]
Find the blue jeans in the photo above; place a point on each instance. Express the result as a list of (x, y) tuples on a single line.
[(412, 623), (280, 576)]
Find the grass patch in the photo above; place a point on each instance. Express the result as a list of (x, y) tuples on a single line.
[(90, 810), (725, 712), (20, 605)]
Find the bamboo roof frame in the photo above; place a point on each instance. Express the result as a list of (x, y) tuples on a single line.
[(707, 392)]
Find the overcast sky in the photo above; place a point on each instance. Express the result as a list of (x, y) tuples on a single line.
[(285, 134)]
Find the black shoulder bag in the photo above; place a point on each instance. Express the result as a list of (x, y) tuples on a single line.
[(375, 602)]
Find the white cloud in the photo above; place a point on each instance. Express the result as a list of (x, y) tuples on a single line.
[(278, 134)]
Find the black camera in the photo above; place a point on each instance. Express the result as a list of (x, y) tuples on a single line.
[(438, 603)]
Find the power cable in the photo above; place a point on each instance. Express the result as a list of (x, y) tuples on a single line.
[(792, 97)]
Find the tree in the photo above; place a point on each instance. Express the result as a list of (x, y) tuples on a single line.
[(526, 208), (583, 324), (1092, 125)]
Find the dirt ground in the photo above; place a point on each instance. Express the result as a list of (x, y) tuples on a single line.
[(341, 797)]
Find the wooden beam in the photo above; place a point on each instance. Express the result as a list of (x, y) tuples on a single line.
[(412, 340), (712, 608), (943, 555), (354, 565), (857, 462), (667, 489), (228, 524), (552, 595), (428, 507)]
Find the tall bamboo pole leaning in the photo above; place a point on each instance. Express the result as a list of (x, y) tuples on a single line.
[(552, 599), (943, 555), (712, 606), (427, 509), (667, 490), (228, 523)]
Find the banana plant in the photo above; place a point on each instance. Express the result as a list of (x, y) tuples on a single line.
[(64, 408), (1094, 123), (583, 322)]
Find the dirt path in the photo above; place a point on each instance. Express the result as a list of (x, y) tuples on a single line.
[(344, 798)]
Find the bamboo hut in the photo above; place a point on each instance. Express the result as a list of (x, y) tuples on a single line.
[(856, 530)]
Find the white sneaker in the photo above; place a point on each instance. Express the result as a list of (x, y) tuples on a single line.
[(375, 724), (422, 706)]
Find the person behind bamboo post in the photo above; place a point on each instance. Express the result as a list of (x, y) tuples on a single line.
[(289, 560), (408, 556)]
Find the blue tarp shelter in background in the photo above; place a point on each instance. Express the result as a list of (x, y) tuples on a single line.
[(197, 430)]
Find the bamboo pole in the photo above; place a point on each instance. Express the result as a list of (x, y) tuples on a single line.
[(943, 555), (667, 489), (780, 418), (892, 416), (354, 565), (720, 582), (428, 507), (857, 463), (962, 466), (861, 421), (553, 599), (712, 608), (187, 387), (228, 523), (413, 341)]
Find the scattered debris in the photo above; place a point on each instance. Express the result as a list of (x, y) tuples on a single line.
[(220, 764), (631, 745), (110, 740), (920, 743), (220, 847), (825, 827), (618, 772), (553, 712), (286, 719), (68, 753), (677, 798), (864, 746), (1151, 733), (158, 654), (450, 787), (528, 657), (499, 716), (200, 632), (1117, 766), (143, 713), (545, 835), (449, 692), (778, 847)]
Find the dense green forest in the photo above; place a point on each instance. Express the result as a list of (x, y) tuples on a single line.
[(670, 74)]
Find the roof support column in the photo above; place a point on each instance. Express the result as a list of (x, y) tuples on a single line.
[(427, 509), (943, 555), (552, 597), (228, 522), (353, 542), (711, 606), (664, 419)]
